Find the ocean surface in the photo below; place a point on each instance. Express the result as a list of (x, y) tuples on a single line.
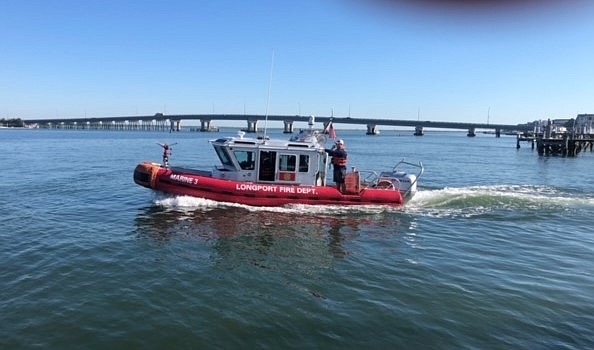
[(496, 251)]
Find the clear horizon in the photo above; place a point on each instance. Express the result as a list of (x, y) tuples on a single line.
[(507, 65)]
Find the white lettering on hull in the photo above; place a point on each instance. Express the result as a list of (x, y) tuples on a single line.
[(275, 189), (184, 179)]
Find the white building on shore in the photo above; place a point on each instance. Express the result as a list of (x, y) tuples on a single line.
[(584, 124)]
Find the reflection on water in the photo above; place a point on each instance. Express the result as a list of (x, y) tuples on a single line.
[(258, 235)]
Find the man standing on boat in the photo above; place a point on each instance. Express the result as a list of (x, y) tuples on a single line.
[(339, 161), (166, 152)]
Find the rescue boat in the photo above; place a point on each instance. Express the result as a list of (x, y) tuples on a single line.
[(266, 172)]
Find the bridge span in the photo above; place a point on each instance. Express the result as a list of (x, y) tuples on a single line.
[(173, 122)]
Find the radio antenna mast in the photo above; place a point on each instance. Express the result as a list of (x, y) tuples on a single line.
[(268, 99)]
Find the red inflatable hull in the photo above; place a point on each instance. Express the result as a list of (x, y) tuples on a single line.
[(188, 183)]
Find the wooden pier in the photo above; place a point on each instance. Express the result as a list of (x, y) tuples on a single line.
[(565, 145), (567, 138)]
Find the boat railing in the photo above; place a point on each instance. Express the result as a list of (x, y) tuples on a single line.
[(373, 179), (402, 162), (420, 169), (392, 184), (368, 178)]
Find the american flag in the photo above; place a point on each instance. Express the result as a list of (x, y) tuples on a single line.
[(330, 130)]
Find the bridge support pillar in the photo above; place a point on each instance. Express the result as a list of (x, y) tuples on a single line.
[(204, 125), (372, 129), (252, 126), (288, 127), (419, 131), (471, 132), (497, 132), (175, 125)]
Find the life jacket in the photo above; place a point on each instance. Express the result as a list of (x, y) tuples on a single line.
[(339, 161)]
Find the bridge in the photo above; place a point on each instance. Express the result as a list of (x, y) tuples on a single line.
[(173, 122)]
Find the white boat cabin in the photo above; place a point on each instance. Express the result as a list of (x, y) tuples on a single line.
[(302, 160)]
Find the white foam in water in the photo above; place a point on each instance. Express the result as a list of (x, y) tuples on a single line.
[(188, 203), (465, 201), (479, 199), (185, 202)]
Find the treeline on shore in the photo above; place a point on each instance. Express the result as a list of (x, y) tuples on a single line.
[(13, 123)]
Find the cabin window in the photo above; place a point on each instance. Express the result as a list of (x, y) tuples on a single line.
[(287, 162), (223, 156), (303, 163), (245, 159), (267, 164)]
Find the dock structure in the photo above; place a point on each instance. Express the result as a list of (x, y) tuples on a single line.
[(565, 145), (565, 138)]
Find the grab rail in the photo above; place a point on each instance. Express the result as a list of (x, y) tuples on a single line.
[(418, 175)]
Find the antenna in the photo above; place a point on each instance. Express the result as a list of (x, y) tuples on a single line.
[(268, 99)]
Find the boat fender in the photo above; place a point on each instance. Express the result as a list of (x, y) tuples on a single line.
[(154, 170)]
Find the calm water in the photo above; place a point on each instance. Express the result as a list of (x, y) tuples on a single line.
[(496, 251)]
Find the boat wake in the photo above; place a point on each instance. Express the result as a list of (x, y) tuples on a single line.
[(188, 203), (447, 202), (479, 200)]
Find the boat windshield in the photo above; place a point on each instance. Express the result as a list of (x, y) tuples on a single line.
[(245, 159), (223, 156)]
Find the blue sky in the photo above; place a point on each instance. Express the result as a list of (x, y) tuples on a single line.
[(359, 58)]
